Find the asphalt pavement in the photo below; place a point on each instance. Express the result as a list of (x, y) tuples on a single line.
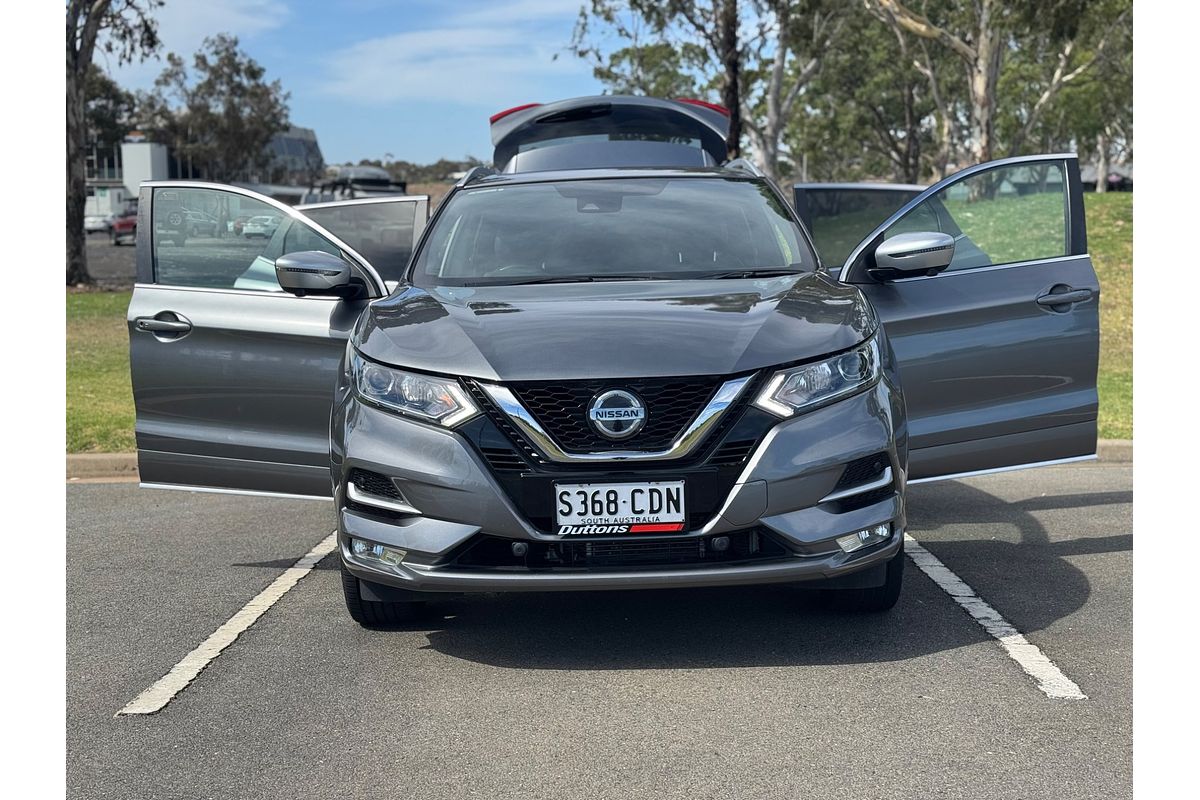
[(111, 266), (749, 692)]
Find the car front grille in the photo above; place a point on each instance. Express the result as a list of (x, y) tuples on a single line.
[(561, 407), (491, 552), (733, 453), (529, 479)]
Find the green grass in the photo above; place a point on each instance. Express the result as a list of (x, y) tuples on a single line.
[(100, 401), (1110, 240), (99, 397), (1012, 228)]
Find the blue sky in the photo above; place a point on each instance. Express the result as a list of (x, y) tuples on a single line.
[(414, 78)]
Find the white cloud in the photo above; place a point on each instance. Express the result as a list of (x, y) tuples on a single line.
[(480, 55), (518, 10), (184, 24)]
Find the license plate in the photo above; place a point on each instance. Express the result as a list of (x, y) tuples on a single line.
[(614, 508)]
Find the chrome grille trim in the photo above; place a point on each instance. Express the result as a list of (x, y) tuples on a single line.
[(878, 483), (356, 495), (684, 444)]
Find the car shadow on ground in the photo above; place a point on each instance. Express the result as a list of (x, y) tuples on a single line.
[(781, 625)]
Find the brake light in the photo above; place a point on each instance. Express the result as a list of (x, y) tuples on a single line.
[(702, 104), (494, 118)]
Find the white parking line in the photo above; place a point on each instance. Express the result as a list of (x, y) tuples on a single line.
[(165, 688), (1050, 678)]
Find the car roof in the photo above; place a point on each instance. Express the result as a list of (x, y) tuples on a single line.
[(555, 176)]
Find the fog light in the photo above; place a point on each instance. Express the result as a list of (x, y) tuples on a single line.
[(369, 551), (719, 544), (865, 538), (519, 549)]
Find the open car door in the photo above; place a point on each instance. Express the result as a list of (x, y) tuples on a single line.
[(997, 350), (383, 229), (233, 378), (839, 215)]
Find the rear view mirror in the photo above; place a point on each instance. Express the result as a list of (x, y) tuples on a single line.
[(314, 272), (908, 255)]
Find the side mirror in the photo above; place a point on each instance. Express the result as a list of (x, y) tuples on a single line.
[(908, 255), (314, 272)]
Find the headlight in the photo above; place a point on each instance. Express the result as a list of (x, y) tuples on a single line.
[(793, 390), (425, 397)]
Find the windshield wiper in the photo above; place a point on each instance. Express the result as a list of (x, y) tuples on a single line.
[(563, 279), (752, 273)]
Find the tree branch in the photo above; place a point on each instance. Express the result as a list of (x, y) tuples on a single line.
[(91, 29), (919, 25)]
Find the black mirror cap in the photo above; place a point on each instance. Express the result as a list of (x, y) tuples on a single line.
[(910, 255), (315, 272)]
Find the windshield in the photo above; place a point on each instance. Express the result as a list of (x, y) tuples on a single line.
[(620, 228)]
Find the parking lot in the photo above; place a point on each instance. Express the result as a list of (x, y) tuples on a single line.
[(111, 266), (749, 692)]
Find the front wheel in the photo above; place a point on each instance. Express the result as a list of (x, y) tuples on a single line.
[(876, 598), (372, 613)]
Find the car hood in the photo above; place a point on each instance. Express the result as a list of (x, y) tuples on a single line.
[(615, 330)]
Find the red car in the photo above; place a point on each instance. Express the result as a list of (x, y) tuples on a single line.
[(124, 228)]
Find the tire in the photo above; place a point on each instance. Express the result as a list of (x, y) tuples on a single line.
[(876, 599), (372, 614)]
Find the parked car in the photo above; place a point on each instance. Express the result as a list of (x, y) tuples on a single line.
[(617, 363), (97, 223), (262, 227), (200, 223), (124, 228)]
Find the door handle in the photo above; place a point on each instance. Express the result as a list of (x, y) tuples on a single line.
[(163, 325), (1063, 300)]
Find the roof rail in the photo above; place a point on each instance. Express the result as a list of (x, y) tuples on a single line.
[(474, 174), (744, 165)]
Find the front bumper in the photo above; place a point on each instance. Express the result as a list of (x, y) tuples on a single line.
[(436, 579), (780, 490)]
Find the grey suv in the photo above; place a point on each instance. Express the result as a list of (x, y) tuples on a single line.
[(615, 363)]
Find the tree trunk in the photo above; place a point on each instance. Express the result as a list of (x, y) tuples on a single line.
[(1102, 162), (77, 270), (731, 64), (984, 74), (912, 138)]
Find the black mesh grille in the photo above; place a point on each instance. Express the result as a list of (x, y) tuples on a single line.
[(492, 552), (561, 407), (503, 460), (374, 483), (630, 553), (733, 453), (862, 470)]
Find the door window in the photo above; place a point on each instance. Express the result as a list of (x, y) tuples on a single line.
[(381, 231), (218, 239), (839, 217), (1004, 215)]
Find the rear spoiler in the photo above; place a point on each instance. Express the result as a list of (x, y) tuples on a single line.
[(651, 129)]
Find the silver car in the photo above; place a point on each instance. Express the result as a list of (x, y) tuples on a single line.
[(262, 227), (616, 363), (97, 223)]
